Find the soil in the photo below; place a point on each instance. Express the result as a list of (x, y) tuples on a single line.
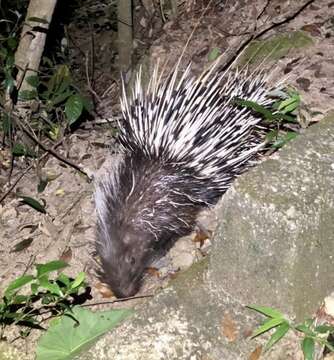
[(67, 231)]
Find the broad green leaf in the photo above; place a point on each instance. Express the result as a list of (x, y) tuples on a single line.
[(20, 299), (33, 80), (26, 95), (34, 288), (64, 279), (55, 265), (88, 104), (269, 324), (22, 150), (73, 108), (33, 203), (277, 335), (67, 338), (51, 286), (59, 98), (289, 104), (268, 311), (17, 284), (308, 348), (78, 280)]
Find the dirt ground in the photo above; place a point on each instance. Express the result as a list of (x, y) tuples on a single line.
[(67, 230)]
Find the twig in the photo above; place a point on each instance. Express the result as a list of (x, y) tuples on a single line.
[(118, 300), (50, 151), (25, 172), (90, 88)]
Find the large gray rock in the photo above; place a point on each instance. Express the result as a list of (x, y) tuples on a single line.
[(273, 246), (275, 242)]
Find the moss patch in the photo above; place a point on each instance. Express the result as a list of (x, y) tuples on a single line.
[(275, 47)]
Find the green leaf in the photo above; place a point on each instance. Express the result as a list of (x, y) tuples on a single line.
[(213, 54), (268, 311), (64, 279), (67, 338), (34, 288), (277, 335), (51, 286), (33, 80), (78, 280), (17, 284), (308, 348), (55, 265), (282, 140), (22, 150), (26, 95), (290, 104), (256, 107), (267, 325), (12, 43), (306, 329), (20, 299), (59, 98), (323, 329), (9, 84), (73, 108), (88, 104), (33, 203)]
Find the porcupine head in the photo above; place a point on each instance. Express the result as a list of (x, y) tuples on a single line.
[(137, 221), (183, 142)]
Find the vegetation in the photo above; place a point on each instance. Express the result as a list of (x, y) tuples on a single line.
[(311, 332), (30, 300)]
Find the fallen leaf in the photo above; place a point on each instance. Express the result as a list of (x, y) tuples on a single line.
[(22, 245), (153, 271), (228, 327), (104, 290), (255, 354)]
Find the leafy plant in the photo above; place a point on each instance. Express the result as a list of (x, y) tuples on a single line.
[(280, 116), (49, 295), (311, 332), (57, 95)]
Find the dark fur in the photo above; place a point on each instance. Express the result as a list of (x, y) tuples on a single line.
[(135, 239)]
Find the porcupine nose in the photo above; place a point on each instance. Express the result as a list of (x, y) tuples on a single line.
[(125, 290)]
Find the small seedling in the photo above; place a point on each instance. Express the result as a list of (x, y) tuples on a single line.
[(279, 116), (311, 332), (50, 294)]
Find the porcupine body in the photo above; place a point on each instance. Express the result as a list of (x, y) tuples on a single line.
[(183, 141)]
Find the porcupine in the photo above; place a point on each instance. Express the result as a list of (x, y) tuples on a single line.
[(183, 142)]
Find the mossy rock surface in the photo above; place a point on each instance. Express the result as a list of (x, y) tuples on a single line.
[(275, 47)]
